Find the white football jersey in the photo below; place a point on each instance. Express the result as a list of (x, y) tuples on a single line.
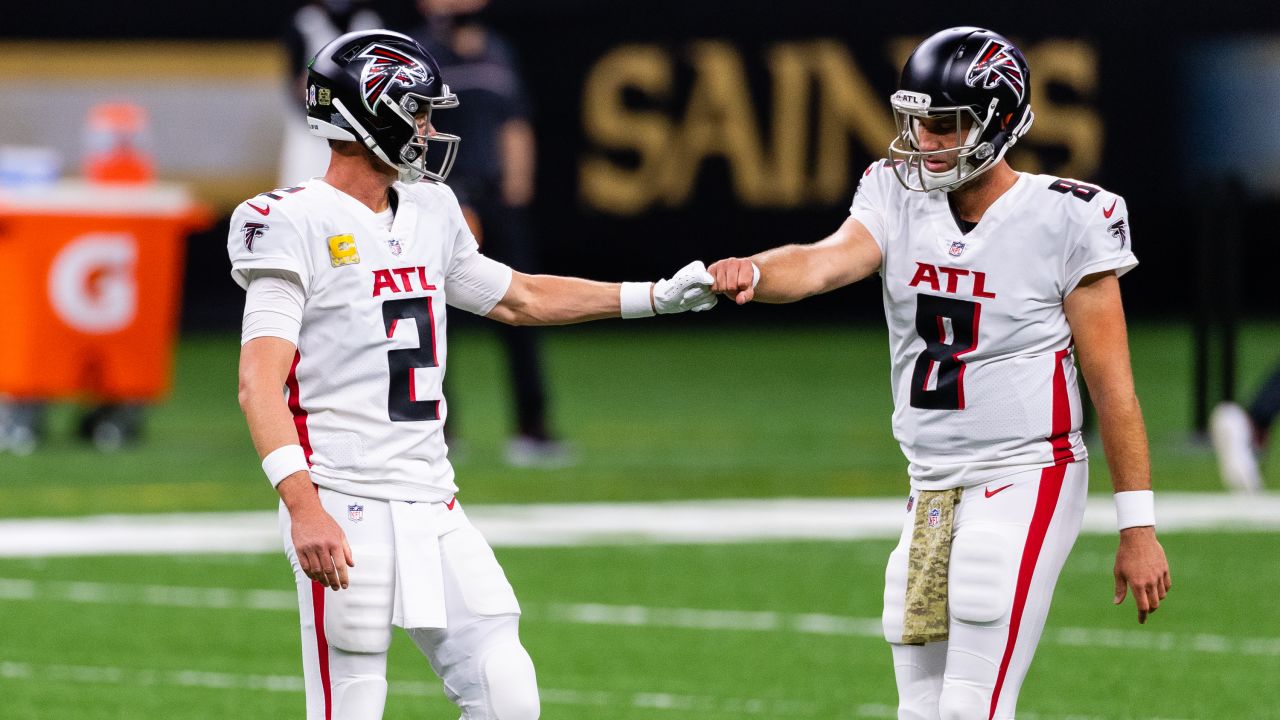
[(984, 377), (365, 388)]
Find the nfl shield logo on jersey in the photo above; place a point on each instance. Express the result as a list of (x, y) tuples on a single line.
[(957, 247), (396, 247), (355, 513)]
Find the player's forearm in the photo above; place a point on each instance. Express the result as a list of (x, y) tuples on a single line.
[(264, 365), (271, 427), (787, 274), (1124, 439), (556, 300)]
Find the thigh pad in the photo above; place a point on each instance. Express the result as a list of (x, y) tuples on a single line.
[(983, 571), (358, 619)]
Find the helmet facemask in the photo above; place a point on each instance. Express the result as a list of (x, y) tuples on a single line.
[(974, 155), (411, 157)]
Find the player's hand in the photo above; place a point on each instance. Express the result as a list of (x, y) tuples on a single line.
[(321, 547), (735, 277), (1142, 566), (688, 289)]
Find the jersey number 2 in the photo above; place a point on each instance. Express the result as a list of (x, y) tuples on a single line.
[(403, 401), (949, 328)]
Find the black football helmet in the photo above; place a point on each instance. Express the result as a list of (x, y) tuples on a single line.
[(375, 87), (979, 78)]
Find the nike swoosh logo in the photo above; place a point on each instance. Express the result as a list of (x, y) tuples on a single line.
[(991, 492), (267, 210), (1107, 213)]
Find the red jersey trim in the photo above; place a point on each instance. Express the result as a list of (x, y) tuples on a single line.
[(1060, 432), (295, 407)]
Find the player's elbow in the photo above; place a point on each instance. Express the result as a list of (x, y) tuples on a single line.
[(523, 303), (251, 391), (245, 394)]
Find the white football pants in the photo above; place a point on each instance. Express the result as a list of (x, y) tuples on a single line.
[(345, 634), (1011, 538)]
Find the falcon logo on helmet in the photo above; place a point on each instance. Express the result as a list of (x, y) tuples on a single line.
[(996, 64), (387, 66)]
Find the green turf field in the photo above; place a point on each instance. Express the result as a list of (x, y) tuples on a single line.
[(614, 636), (650, 632), (666, 411)]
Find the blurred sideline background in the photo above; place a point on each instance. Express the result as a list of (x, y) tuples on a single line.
[(668, 131)]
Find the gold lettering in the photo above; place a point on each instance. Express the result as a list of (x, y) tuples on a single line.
[(612, 127), (849, 105), (1075, 127), (789, 131), (719, 121)]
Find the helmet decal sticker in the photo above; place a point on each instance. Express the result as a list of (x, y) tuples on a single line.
[(996, 64), (387, 66)]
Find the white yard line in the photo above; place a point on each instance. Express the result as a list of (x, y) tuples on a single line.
[(660, 702), (653, 700), (214, 598), (549, 525)]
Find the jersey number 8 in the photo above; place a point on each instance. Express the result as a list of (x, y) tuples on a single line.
[(949, 328)]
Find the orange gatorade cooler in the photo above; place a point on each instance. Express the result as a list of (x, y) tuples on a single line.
[(90, 285)]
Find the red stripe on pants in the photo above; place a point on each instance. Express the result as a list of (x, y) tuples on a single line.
[(322, 646), (1046, 504)]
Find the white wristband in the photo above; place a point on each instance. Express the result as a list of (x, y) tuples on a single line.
[(635, 300), (1135, 508), (755, 275), (283, 462)]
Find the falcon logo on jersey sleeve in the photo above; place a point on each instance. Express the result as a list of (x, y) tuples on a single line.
[(252, 231), (387, 66), (995, 65), (343, 250), (1120, 231)]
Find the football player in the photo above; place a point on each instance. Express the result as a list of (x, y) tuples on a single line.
[(347, 280), (993, 282), (1240, 435)]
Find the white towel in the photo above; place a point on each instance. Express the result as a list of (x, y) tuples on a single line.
[(419, 595)]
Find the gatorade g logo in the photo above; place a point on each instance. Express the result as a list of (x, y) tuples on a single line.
[(93, 285)]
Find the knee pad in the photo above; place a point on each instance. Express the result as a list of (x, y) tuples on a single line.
[(982, 573), (358, 619), (360, 697), (510, 685), (963, 702)]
